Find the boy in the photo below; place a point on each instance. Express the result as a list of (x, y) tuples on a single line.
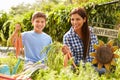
[(35, 40)]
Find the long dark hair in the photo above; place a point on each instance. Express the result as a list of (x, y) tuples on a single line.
[(85, 29)]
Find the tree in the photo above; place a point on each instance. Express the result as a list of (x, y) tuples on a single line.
[(3, 18), (20, 9)]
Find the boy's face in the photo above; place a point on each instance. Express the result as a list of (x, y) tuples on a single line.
[(39, 24)]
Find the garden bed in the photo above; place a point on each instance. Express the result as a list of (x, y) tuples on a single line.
[(56, 70)]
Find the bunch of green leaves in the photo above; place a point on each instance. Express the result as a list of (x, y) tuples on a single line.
[(55, 56), (42, 74), (67, 73), (83, 73)]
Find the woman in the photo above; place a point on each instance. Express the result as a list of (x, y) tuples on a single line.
[(79, 40)]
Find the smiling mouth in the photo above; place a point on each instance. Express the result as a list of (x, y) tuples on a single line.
[(76, 26), (39, 27)]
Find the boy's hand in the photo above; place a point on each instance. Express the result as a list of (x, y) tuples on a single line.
[(65, 49), (17, 27)]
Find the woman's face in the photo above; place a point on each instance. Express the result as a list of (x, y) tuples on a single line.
[(77, 21)]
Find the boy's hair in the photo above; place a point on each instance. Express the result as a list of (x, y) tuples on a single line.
[(37, 15)]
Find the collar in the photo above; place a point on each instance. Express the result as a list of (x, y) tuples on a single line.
[(72, 31)]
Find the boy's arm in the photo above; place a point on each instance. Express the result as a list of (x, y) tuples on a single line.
[(16, 40)]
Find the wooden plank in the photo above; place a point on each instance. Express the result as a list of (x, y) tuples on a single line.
[(106, 32), (6, 49)]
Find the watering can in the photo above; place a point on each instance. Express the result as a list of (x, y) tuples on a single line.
[(4, 69)]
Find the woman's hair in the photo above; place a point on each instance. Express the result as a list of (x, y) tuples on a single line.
[(85, 29), (37, 15)]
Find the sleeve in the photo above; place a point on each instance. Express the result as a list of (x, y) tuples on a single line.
[(94, 39), (50, 40), (23, 37), (93, 36)]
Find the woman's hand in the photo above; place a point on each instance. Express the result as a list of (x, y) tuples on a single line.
[(65, 49)]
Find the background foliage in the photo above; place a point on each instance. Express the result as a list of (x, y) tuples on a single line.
[(101, 13)]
